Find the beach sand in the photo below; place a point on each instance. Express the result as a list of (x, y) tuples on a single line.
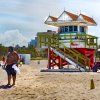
[(32, 84)]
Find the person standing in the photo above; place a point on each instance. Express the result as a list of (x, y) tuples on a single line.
[(3, 61), (12, 58)]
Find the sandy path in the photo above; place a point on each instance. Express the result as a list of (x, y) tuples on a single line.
[(32, 84)]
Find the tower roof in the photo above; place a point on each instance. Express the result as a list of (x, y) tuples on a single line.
[(53, 18), (89, 19), (73, 16), (68, 18)]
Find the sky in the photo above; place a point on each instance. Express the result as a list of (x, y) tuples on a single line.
[(20, 20)]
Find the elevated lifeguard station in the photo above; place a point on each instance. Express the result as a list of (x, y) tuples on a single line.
[(71, 44)]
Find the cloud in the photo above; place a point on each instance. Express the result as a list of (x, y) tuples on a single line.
[(13, 37), (27, 16)]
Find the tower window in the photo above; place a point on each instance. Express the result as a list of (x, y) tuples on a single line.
[(82, 29), (75, 28), (70, 28), (62, 28), (66, 28)]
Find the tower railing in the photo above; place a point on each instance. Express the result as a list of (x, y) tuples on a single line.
[(88, 40)]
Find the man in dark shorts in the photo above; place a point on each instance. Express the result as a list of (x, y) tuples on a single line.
[(12, 58)]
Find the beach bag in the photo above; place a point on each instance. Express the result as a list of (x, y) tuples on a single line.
[(17, 70)]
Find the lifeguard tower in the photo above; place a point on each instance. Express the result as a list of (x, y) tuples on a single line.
[(71, 44)]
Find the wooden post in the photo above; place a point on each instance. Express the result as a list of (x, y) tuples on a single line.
[(40, 42), (92, 86)]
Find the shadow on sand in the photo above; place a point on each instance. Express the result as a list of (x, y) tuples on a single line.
[(5, 87)]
